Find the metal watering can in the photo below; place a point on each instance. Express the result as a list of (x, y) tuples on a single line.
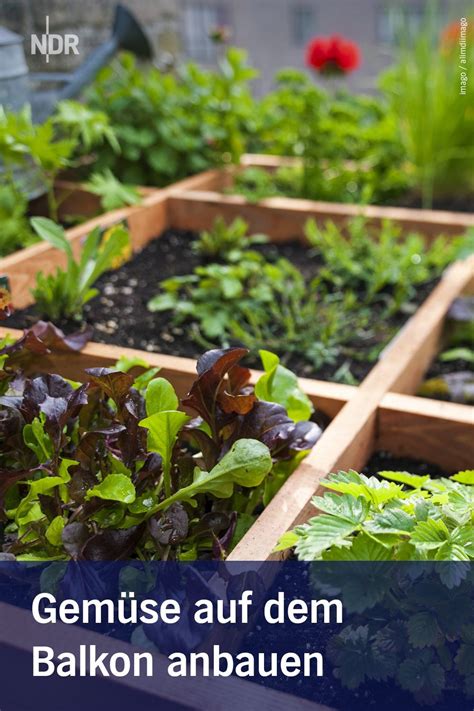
[(16, 82)]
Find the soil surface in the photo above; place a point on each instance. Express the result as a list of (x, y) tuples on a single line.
[(439, 367), (452, 203), (120, 315), (384, 461)]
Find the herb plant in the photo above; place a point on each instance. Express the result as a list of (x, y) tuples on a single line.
[(395, 516), (168, 126), (62, 295), (114, 468), (15, 232), (249, 299), (113, 194), (378, 263), (260, 304), (436, 126), (36, 153), (226, 242)]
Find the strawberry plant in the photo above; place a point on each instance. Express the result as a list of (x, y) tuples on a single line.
[(411, 624), (117, 467), (402, 627), (395, 516)]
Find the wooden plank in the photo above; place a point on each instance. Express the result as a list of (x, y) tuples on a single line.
[(352, 435), (164, 692), (146, 221), (326, 396), (284, 218), (410, 353), (441, 433), (269, 161), (438, 432)]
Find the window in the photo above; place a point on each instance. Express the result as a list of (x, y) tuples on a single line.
[(199, 19), (396, 22), (302, 24)]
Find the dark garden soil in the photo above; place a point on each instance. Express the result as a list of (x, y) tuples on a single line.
[(120, 316), (384, 461), (452, 203), (439, 367)]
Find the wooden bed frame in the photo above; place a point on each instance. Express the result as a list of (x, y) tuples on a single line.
[(381, 413)]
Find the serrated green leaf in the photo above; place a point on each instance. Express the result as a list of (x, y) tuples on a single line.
[(423, 630), (412, 480), (320, 533), (391, 521), (464, 477), (351, 509), (429, 534)]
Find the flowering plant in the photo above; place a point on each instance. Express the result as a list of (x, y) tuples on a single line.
[(332, 55)]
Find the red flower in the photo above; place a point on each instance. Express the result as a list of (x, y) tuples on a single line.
[(332, 55), (459, 31)]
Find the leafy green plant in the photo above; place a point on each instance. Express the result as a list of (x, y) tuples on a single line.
[(258, 302), (62, 295), (88, 127), (401, 623), (168, 126), (402, 627), (435, 122), (256, 183), (379, 263), (48, 148), (15, 231), (349, 144), (113, 194), (114, 468), (261, 303), (395, 516), (226, 242)]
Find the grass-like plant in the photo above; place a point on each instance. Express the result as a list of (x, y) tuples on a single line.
[(435, 119), (62, 295)]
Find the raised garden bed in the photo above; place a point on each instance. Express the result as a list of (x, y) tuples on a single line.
[(431, 223), (21, 266), (451, 373), (370, 418), (173, 213), (365, 420)]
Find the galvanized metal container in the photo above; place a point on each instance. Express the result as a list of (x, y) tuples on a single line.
[(13, 71)]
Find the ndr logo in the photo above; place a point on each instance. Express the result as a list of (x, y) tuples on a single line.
[(54, 44)]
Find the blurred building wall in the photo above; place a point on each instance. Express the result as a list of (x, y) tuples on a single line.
[(273, 31)]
